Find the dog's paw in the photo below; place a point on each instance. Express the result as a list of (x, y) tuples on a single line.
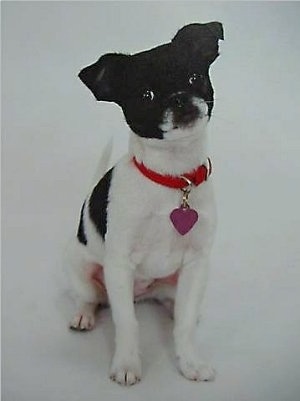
[(85, 319), (83, 322), (127, 372), (195, 370), (125, 376)]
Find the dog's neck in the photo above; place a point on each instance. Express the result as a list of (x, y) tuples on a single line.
[(173, 157)]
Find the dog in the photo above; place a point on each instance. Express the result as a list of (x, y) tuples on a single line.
[(146, 228)]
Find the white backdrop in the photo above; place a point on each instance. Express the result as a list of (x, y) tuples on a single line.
[(53, 134)]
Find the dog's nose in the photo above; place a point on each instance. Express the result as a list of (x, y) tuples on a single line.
[(179, 100)]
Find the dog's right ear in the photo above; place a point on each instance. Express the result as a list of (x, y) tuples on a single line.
[(104, 77), (200, 39)]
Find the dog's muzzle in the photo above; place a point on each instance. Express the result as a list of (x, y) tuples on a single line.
[(183, 110)]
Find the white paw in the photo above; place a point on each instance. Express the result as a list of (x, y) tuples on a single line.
[(193, 369), (126, 373), (83, 322)]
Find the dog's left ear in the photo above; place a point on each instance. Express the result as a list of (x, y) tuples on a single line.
[(201, 38), (104, 78)]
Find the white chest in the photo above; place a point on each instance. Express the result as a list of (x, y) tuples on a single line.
[(156, 249)]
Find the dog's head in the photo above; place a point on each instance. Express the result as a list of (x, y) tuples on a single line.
[(162, 91)]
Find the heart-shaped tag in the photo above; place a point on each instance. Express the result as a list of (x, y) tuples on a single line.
[(184, 219)]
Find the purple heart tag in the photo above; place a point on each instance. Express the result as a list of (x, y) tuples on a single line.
[(183, 219)]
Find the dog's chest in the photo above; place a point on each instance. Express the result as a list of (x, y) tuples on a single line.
[(156, 248)]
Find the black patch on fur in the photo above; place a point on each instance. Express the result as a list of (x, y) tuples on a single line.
[(98, 203), (81, 232), (144, 84)]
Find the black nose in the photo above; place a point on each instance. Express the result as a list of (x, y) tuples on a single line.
[(179, 100)]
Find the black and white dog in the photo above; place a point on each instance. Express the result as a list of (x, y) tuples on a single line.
[(147, 227)]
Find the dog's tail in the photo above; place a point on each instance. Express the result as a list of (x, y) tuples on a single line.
[(103, 162)]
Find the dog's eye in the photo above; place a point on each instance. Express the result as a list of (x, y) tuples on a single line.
[(194, 78), (148, 95)]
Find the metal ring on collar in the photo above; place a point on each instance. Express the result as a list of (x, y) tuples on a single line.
[(189, 184)]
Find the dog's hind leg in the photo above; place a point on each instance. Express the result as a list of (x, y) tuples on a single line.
[(85, 318), (163, 294), (88, 289)]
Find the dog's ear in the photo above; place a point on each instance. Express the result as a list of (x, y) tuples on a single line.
[(103, 78), (201, 38)]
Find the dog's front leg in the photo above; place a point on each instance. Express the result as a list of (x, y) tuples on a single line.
[(126, 364), (190, 291)]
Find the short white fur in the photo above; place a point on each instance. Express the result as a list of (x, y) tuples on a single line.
[(141, 243)]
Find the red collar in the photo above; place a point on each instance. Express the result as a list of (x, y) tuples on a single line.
[(197, 176)]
